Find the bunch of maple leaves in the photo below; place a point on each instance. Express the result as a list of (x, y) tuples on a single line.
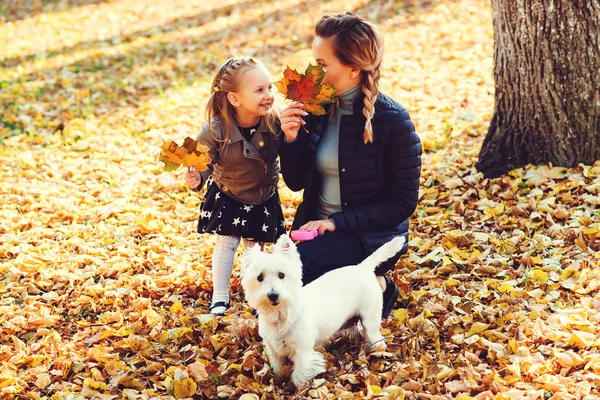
[(105, 285), (307, 88), (190, 154)]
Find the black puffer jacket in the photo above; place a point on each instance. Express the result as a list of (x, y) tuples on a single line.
[(379, 181)]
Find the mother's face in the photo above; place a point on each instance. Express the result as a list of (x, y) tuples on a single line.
[(341, 76)]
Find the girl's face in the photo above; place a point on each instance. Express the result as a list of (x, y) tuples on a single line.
[(254, 98), (341, 76)]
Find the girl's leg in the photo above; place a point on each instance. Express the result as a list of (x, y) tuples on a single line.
[(222, 265)]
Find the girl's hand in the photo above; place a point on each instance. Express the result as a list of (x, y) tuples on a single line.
[(192, 178), (291, 120), (322, 225)]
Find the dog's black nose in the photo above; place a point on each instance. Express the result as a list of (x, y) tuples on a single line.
[(273, 296)]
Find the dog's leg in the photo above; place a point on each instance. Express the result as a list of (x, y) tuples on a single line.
[(307, 365), (371, 323), (275, 359)]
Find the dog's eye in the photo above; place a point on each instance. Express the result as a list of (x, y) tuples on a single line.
[(260, 278), (281, 275)]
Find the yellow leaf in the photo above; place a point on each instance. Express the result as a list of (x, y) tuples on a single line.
[(539, 276), (99, 354), (477, 327), (506, 288), (452, 282), (5, 382), (184, 388), (375, 389), (107, 333), (235, 367), (37, 360), (176, 308), (131, 383), (401, 315), (127, 330), (581, 339), (94, 385), (476, 254), (512, 345)]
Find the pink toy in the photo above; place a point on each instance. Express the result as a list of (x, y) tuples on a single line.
[(303, 235)]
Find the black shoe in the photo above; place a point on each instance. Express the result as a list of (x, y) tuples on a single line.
[(389, 297), (218, 304)]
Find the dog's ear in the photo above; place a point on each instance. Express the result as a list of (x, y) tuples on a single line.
[(286, 246), (247, 258)]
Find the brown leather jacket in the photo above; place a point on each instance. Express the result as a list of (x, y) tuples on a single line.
[(237, 167)]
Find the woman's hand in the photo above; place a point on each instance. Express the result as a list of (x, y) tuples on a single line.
[(291, 120), (322, 225), (192, 178)]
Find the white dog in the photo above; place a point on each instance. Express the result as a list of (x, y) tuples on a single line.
[(293, 320)]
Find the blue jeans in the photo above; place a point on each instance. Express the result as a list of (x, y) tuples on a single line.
[(334, 250)]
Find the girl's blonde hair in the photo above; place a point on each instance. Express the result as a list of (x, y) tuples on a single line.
[(357, 43), (227, 80)]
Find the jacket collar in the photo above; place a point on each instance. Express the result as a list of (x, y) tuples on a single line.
[(251, 149)]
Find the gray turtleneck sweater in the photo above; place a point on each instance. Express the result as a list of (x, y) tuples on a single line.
[(327, 157)]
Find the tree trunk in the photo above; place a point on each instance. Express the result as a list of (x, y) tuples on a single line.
[(547, 74)]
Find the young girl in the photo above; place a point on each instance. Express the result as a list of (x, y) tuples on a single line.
[(241, 199)]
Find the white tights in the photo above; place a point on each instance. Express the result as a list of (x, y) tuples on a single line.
[(222, 266)]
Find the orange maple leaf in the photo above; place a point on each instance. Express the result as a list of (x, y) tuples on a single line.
[(190, 154), (307, 88)]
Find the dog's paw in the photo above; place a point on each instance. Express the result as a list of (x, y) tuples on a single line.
[(276, 363), (276, 368), (303, 386), (298, 379)]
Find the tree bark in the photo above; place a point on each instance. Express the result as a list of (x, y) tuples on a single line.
[(547, 76)]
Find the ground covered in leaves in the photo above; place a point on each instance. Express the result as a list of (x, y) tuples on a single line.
[(104, 283)]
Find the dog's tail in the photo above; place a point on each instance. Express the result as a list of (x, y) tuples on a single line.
[(384, 253)]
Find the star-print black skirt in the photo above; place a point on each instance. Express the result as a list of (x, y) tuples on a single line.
[(224, 215)]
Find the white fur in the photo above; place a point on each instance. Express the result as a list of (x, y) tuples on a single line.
[(301, 318)]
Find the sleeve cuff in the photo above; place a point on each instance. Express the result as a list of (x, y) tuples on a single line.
[(338, 221)]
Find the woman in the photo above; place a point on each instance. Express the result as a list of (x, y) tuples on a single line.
[(359, 166)]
